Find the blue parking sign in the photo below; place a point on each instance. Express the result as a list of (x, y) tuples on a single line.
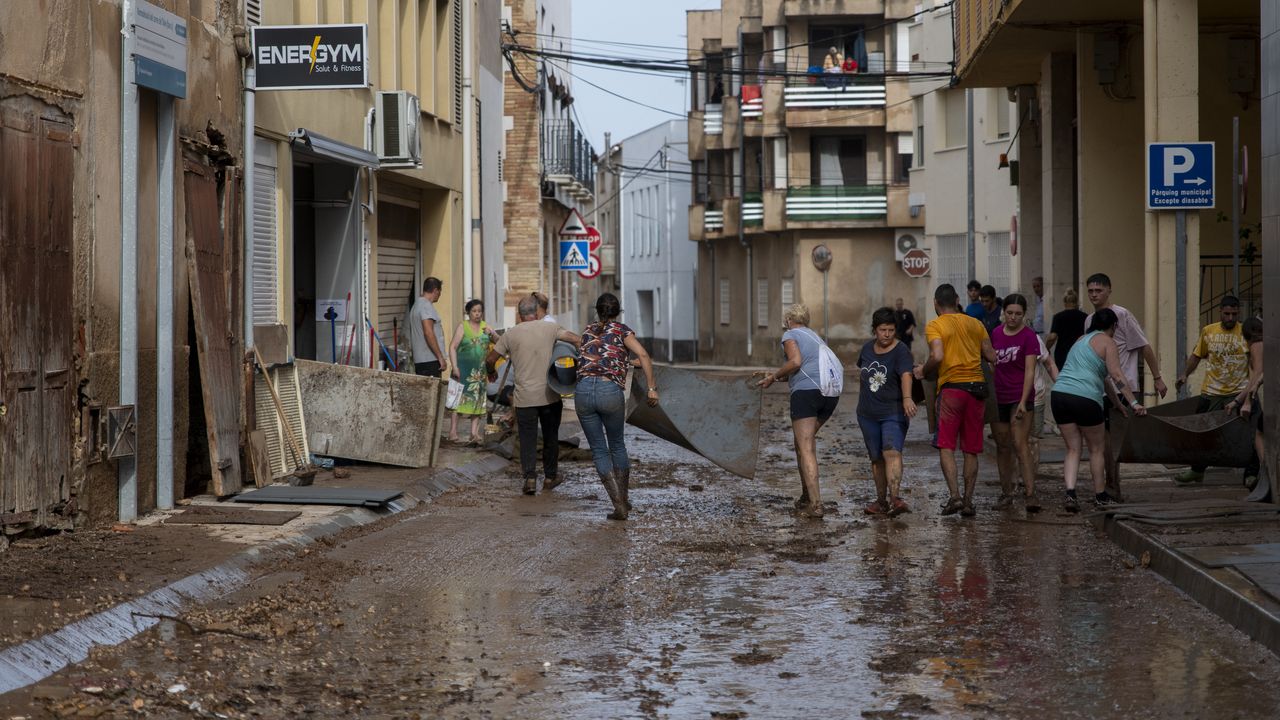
[(574, 255), (1180, 176)]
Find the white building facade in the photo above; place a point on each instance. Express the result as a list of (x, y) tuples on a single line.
[(658, 262), (940, 167)]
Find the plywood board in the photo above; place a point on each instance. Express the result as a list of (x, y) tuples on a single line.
[(370, 415), (259, 460), (219, 367)]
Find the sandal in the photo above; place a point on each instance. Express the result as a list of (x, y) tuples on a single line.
[(1004, 502), (879, 507), (802, 501), (898, 507), (1072, 504), (952, 506), (967, 510)]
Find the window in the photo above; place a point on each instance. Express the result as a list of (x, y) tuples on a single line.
[(998, 262), (953, 115), (915, 43), (699, 173), (788, 293), (902, 165), (838, 160), (762, 303), (724, 301), (842, 37), (919, 144), (1002, 114), (953, 261)]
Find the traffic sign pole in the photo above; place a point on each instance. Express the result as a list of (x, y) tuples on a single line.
[(1180, 233)]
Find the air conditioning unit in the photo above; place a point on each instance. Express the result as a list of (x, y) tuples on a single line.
[(396, 140), (905, 241)]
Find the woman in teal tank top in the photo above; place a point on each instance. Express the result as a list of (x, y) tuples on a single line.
[(1077, 403)]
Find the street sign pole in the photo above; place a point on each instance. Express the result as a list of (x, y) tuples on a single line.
[(1180, 231), (1235, 206)]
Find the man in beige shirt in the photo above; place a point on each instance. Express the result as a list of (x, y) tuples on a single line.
[(528, 346)]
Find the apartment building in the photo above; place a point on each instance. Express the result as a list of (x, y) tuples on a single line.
[(1097, 82), (939, 171), (548, 164), (792, 164), (358, 192)]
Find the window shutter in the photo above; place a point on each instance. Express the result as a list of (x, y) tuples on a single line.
[(264, 233), (762, 303), (724, 301), (253, 12)]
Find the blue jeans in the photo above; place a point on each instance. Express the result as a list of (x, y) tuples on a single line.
[(602, 410)]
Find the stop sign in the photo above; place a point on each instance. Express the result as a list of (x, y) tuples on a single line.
[(593, 239), (916, 263)]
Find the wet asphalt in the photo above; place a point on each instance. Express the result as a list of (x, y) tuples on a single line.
[(712, 601)]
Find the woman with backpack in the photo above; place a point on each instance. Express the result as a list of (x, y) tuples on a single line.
[(816, 379)]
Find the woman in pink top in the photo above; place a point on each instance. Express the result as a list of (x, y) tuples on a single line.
[(1017, 351)]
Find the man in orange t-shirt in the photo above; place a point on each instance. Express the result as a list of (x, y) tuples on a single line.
[(957, 346)]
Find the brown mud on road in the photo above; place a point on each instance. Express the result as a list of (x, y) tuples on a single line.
[(713, 601)]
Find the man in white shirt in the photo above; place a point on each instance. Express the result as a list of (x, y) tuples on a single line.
[(544, 304)]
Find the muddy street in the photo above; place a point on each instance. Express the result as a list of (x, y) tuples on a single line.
[(713, 600)]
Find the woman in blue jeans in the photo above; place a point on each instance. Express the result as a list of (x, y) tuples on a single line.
[(600, 401)]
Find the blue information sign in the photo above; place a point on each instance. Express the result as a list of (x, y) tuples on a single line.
[(574, 255), (1180, 176)]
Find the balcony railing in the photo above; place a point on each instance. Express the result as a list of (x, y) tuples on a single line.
[(713, 219), (753, 209), (834, 90), (713, 120), (568, 158), (819, 203)]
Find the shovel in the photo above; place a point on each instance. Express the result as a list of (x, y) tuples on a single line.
[(305, 472)]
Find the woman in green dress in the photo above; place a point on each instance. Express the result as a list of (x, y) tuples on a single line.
[(471, 343)]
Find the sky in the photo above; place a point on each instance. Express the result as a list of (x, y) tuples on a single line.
[(597, 26)]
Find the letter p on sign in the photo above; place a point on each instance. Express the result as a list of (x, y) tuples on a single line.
[(1177, 160)]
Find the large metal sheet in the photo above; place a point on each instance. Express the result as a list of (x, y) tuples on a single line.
[(36, 171), (219, 368), (713, 413), (1224, 555), (1173, 434), (312, 495), (369, 415), (1265, 576)]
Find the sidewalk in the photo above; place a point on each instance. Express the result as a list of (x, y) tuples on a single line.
[(66, 593)]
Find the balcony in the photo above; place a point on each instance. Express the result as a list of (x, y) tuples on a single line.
[(713, 120), (835, 90), (753, 210), (714, 219), (568, 160), (834, 203)]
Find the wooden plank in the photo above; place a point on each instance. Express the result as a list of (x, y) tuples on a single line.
[(210, 302), (58, 384), (259, 462), (273, 342)]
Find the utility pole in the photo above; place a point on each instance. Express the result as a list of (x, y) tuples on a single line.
[(671, 333)]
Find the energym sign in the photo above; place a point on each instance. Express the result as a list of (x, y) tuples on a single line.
[(311, 57)]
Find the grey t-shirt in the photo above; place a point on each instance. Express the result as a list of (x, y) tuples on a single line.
[(806, 378), (425, 309)]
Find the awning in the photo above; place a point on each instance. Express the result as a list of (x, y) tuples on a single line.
[(330, 149)]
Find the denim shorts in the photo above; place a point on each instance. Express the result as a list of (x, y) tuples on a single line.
[(881, 435)]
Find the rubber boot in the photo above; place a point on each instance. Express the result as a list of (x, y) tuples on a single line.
[(530, 486), (615, 496), (624, 484)]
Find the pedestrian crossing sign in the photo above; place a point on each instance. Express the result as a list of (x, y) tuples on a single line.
[(574, 255)]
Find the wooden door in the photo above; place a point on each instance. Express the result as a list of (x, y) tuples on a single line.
[(36, 386), (210, 303)]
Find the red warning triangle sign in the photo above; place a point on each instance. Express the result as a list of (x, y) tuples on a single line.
[(574, 225)]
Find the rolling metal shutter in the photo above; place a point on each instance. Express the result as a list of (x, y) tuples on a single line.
[(397, 262), (265, 310)]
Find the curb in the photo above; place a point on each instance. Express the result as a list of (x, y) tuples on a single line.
[(1223, 591), (34, 660)]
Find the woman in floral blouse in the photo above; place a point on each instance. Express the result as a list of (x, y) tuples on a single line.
[(600, 401)]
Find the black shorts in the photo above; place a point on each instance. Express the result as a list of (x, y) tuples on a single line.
[(1005, 411), (431, 369), (812, 404), (1075, 410)]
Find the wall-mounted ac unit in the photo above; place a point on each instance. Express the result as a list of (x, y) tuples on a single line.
[(396, 139), (906, 240)]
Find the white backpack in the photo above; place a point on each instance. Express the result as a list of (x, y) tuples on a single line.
[(830, 371)]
